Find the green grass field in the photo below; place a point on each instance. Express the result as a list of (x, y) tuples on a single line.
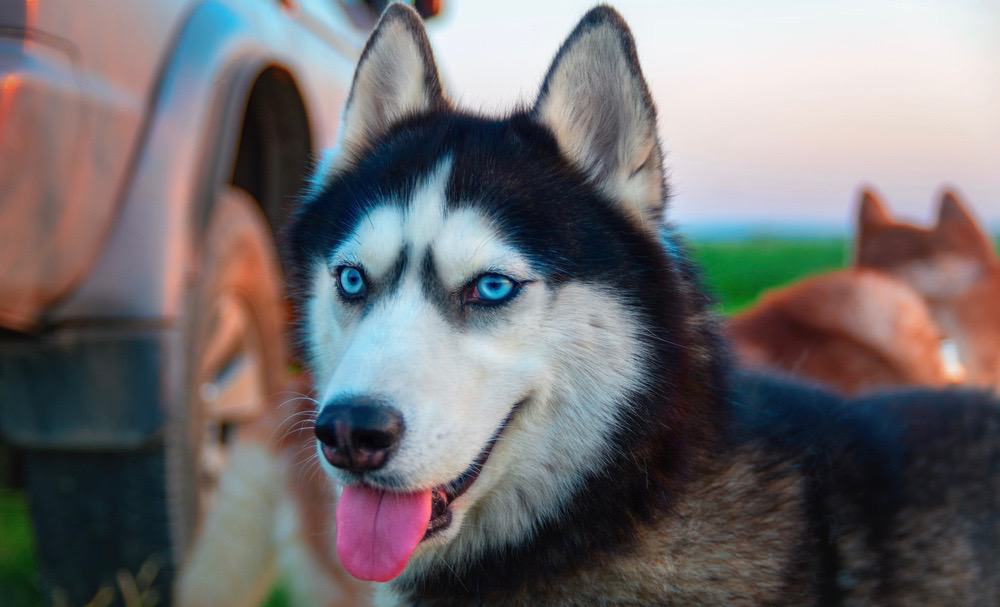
[(19, 584), (736, 272)]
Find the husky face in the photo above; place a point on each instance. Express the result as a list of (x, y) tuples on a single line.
[(423, 338), (491, 281)]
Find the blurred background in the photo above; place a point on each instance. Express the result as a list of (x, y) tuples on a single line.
[(151, 152), (774, 111)]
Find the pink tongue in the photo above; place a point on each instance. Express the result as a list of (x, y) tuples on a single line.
[(377, 531)]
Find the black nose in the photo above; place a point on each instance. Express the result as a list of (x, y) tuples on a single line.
[(359, 433)]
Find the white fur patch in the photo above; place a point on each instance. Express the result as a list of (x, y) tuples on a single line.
[(375, 244), (952, 358), (943, 277), (594, 360), (470, 244), (425, 215), (325, 340)]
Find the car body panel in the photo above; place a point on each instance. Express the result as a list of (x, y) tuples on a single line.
[(71, 112), (96, 351), (65, 136), (220, 51), (153, 133)]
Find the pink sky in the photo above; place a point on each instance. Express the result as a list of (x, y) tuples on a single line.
[(778, 109)]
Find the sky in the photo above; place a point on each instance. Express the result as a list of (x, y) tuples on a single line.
[(777, 110)]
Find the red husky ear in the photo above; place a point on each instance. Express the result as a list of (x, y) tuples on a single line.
[(957, 225), (954, 215), (872, 211)]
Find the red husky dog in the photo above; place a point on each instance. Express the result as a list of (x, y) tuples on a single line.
[(852, 330), (922, 307), (955, 268)]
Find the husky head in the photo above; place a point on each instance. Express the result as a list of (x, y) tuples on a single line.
[(954, 266), (940, 262), (486, 304)]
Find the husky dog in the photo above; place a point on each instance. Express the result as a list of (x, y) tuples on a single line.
[(953, 265), (525, 400), (854, 331)]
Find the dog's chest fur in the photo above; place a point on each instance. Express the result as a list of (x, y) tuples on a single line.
[(859, 519), (730, 541), (735, 538)]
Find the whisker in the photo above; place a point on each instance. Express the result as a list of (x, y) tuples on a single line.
[(298, 398), (303, 417)]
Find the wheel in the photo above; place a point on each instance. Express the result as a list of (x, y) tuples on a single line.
[(115, 524), (236, 324)]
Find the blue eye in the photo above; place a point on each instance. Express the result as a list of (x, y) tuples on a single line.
[(351, 282), (493, 289)]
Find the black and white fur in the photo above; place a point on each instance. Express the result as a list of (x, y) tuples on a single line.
[(633, 467)]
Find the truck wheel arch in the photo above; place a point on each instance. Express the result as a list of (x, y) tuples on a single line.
[(267, 145)]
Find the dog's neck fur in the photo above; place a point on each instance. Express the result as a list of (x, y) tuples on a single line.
[(676, 424)]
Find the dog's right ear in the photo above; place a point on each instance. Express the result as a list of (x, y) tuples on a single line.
[(872, 211), (596, 103), (396, 78), (957, 225)]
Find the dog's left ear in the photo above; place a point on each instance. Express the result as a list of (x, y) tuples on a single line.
[(396, 78), (596, 103)]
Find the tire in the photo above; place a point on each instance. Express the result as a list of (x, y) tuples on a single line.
[(118, 523)]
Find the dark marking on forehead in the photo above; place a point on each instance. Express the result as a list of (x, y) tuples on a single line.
[(512, 171), (449, 302), (387, 285), (394, 277), (434, 289)]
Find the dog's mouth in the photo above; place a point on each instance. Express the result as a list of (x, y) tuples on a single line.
[(443, 495), (378, 529)]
